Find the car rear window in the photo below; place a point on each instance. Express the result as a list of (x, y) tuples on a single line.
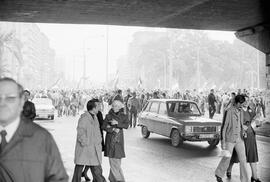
[(162, 109), (183, 108), (154, 107)]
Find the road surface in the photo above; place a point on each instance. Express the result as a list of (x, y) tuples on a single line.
[(154, 159)]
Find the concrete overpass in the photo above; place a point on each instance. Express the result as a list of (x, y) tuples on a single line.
[(250, 19)]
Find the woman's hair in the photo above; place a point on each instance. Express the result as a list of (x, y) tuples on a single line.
[(29, 110), (118, 103)]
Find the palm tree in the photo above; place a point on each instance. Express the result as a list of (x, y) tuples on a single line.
[(9, 42)]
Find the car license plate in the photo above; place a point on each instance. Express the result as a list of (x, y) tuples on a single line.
[(43, 116), (206, 136)]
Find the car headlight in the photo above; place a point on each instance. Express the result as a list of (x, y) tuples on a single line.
[(218, 128), (189, 129)]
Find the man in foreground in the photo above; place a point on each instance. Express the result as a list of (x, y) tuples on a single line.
[(28, 152)]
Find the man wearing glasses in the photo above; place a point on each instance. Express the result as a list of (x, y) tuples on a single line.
[(232, 137), (28, 152)]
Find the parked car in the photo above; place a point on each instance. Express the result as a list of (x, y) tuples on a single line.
[(179, 120), (44, 108)]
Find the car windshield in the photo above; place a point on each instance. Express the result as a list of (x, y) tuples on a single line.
[(42, 101), (186, 108)]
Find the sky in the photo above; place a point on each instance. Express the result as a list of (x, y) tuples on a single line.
[(73, 43)]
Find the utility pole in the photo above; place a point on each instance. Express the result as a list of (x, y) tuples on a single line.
[(198, 69), (73, 74), (165, 72), (258, 69), (107, 55), (84, 65)]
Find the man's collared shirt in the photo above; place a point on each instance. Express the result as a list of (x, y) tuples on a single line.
[(11, 129)]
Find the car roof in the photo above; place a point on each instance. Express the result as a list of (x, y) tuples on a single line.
[(41, 98), (170, 100)]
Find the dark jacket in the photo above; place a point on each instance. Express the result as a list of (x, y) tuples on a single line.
[(101, 120), (114, 148), (33, 156), (29, 110), (211, 99)]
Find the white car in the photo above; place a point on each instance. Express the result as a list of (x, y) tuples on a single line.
[(44, 108)]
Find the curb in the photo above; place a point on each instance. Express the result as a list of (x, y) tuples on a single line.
[(263, 138)]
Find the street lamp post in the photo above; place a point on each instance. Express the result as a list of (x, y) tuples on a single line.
[(258, 69), (107, 55), (198, 68), (84, 68)]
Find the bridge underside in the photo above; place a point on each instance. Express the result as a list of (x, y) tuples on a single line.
[(248, 18), (229, 15)]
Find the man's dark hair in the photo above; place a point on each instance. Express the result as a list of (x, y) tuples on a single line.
[(95, 100), (239, 99), (233, 93), (91, 104), (20, 87), (119, 91), (27, 91)]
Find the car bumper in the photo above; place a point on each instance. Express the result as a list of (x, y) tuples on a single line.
[(44, 114), (201, 136)]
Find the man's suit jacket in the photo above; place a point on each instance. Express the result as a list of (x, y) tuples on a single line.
[(33, 156), (229, 131)]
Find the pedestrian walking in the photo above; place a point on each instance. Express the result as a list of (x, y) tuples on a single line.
[(100, 121), (28, 152), (232, 138), (114, 123), (88, 149), (126, 98), (211, 103), (250, 144), (134, 107), (29, 110)]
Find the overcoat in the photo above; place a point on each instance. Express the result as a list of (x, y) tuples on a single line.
[(32, 156), (115, 149), (88, 149)]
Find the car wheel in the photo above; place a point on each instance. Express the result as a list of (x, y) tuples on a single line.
[(176, 139), (52, 117), (145, 132), (213, 142)]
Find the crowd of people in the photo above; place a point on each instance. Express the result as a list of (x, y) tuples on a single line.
[(72, 102), (110, 112)]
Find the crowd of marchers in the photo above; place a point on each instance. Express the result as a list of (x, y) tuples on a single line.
[(71, 102), (28, 152)]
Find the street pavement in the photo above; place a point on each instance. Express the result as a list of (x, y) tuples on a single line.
[(154, 159)]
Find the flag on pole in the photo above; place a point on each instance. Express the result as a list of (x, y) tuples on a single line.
[(140, 83), (116, 80)]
